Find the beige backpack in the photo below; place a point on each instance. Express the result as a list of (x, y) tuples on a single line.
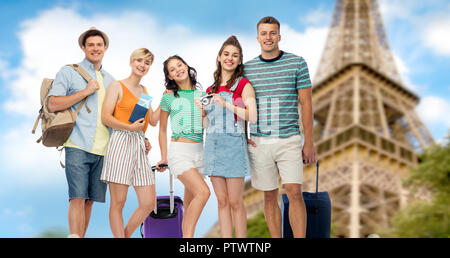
[(57, 127)]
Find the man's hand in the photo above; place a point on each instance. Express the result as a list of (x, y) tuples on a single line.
[(252, 143), (92, 87), (148, 146), (309, 153)]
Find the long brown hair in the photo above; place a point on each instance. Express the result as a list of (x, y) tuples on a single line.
[(239, 72)]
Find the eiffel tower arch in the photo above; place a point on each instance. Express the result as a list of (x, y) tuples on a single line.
[(366, 130)]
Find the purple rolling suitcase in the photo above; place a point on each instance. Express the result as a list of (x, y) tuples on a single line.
[(165, 221)]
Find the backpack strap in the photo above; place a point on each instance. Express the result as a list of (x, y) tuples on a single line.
[(87, 77), (37, 121)]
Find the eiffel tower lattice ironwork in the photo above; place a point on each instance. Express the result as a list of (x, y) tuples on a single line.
[(366, 131)]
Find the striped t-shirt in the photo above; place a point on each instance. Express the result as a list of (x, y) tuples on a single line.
[(185, 119), (276, 82)]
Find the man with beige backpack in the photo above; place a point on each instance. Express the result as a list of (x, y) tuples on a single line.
[(86, 145)]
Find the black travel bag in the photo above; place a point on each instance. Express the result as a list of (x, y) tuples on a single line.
[(318, 208)]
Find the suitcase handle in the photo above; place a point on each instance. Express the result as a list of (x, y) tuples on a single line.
[(164, 213), (172, 198), (317, 188), (160, 165)]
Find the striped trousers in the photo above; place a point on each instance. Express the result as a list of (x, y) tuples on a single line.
[(125, 161)]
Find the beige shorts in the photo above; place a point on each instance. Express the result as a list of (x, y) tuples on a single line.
[(273, 157), (183, 156)]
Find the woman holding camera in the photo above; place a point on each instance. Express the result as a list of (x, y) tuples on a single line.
[(225, 158)]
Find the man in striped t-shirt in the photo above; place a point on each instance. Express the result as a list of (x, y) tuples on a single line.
[(282, 83)]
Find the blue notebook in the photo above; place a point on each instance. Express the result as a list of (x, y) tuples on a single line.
[(141, 108)]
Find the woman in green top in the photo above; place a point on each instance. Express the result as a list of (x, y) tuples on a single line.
[(185, 152)]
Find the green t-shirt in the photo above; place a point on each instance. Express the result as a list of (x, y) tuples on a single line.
[(185, 119)]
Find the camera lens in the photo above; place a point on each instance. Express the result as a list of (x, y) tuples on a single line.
[(205, 101)]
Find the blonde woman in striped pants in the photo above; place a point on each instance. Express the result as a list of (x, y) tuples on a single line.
[(126, 162)]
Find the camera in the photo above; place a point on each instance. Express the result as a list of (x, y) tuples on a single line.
[(206, 99)]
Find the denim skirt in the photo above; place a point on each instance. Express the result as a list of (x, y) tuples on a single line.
[(226, 155)]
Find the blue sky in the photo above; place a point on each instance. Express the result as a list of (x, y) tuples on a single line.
[(38, 37)]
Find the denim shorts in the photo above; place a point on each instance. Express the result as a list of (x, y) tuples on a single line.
[(83, 170)]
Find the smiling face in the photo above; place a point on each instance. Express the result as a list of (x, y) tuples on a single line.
[(230, 58), (94, 49), (178, 71), (140, 66), (268, 37)]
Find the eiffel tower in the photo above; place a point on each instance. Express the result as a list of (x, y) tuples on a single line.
[(366, 131)]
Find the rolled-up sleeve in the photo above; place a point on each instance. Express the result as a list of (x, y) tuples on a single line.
[(61, 83)]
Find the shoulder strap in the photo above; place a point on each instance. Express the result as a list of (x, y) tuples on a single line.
[(234, 88), (240, 87), (81, 71), (144, 89), (87, 77), (237, 90)]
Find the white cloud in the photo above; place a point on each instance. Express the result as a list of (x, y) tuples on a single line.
[(397, 9), (317, 17), (405, 75), (437, 36), (434, 111), (49, 41), (23, 158), (309, 44), (430, 25)]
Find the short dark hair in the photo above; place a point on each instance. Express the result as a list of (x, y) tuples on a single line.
[(92, 33), (270, 20)]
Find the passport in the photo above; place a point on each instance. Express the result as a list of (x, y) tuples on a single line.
[(141, 108)]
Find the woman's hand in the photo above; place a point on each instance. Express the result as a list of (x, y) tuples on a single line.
[(137, 126), (148, 146), (162, 169), (198, 105), (218, 100)]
